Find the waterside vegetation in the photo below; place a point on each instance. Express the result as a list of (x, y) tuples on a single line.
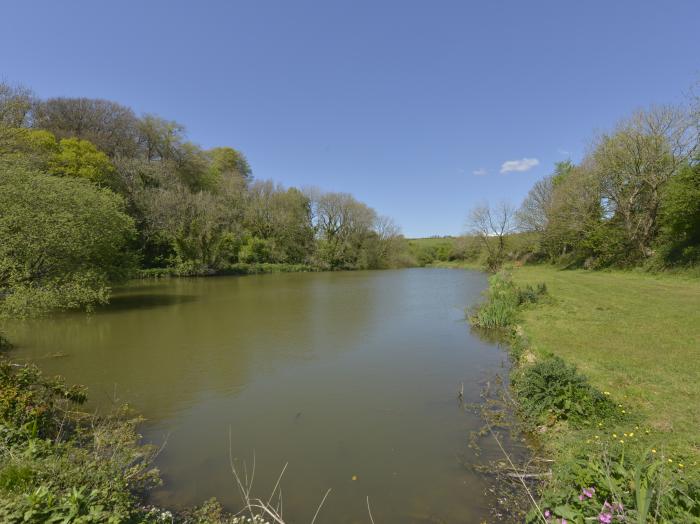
[(615, 419), (90, 194)]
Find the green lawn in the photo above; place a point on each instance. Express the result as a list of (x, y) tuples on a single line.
[(634, 335)]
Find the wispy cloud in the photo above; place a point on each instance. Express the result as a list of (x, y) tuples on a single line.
[(524, 164), (480, 172), (563, 152)]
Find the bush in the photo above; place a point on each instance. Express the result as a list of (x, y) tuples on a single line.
[(552, 390), (58, 464), (64, 241)]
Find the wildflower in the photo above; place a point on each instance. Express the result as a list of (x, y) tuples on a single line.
[(622, 441), (623, 411), (547, 513), (588, 492), (670, 461), (606, 392), (680, 465), (600, 424), (597, 436), (624, 434), (614, 435), (619, 405), (354, 477), (653, 451), (632, 434), (605, 518)]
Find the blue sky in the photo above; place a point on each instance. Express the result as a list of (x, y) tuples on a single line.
[(397, 102)]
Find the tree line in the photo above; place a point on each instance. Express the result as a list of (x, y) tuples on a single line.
[(633, 200), (90, 192)]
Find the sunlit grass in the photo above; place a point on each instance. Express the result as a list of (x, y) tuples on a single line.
[(634, 335)]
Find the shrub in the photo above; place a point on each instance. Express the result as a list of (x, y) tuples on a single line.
[(551, 390), (58, 464)]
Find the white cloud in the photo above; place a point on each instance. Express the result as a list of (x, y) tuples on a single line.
[(480, 172), (524, 164), (563, 152)]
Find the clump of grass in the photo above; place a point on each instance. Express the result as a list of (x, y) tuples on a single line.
[(503, 298)]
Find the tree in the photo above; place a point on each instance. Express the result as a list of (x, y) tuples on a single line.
[(283, 218), (635, 163), (534, 213), (197, 224), (342, 225), (64, 241), (111, 127), (80, 158), (679, 218), (226, 161), (492, 225), (158, 138), (15, 106)]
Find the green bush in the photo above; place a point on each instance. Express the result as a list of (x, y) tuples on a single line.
[(59, 464), (551, 390)]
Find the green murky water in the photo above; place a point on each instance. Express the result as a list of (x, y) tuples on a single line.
[(336, 374)]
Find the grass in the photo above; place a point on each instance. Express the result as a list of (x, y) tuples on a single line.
[(634, 335), (605, 377)]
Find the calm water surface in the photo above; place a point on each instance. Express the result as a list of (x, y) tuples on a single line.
[(338, 374)]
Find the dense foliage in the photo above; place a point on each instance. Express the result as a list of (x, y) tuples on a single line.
[(89, 191), (633, 200), (59, 464)]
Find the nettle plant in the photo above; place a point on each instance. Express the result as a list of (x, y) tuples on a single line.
[(551, 390)]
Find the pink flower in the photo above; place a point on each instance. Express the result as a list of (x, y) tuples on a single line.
[(605, 518)]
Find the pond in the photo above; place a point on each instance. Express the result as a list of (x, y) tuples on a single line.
[(350, 377)]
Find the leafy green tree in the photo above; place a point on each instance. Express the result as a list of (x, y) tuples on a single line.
[(679, 239), (198, 224), (64, 241), (282, 217), (228, 161), (80, 158)]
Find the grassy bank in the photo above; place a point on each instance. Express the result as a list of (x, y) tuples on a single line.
[(606, 379), (634, 335)]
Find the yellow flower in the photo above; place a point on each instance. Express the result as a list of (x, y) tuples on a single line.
[(622, 441), (614, 435), (619, 405), (670, 461), (623, 410), (606, 392), (653, 451), (597, 436), (624, 434), (354, 477), (680, 465), (632, 434)]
